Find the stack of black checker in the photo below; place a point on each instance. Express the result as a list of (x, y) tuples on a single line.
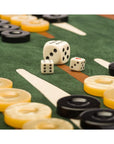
[(53, 18), (87, 110), (12, 33)]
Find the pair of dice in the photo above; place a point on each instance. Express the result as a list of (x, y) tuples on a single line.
[(58, 52)]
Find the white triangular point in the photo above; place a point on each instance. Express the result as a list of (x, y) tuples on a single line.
[(71, 28), (51, 92), (102, 62)]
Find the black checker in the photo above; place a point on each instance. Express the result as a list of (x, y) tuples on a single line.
[(72, 106), (38, 15), (5, 27), (3, 21), (97, 119), (56, 18), (111, 69), (15, 36)]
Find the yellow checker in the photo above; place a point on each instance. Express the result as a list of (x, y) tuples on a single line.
[(108, 98), (97, 85), (17, 20), (9, 96), (5, 83), (18, 114), (52, 123), (38, 25), (8, 17)]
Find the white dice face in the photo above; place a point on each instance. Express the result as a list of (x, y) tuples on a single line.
[(77, 64), (57, 50), (47, 66)]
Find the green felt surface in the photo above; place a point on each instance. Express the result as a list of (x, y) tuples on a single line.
[(99, 43)]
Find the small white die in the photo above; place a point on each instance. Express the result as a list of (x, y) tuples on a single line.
[(77, 64), (47, 66)]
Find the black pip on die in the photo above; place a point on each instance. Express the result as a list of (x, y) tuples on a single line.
[(77, 64), (57, 50), (47, 66)]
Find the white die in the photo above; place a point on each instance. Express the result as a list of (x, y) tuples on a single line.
[(57, 50), (77, 64), (47, 66)]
